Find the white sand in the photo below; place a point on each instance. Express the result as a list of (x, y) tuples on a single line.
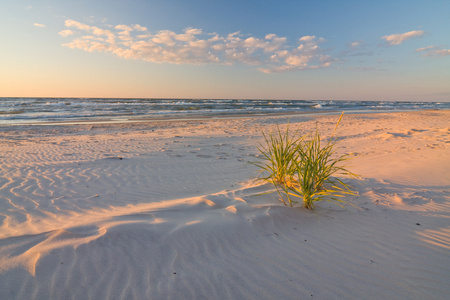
[(177, 216)]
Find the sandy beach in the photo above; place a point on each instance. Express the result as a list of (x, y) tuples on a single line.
[(172, 210)]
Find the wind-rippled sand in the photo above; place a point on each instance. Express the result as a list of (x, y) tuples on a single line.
[(170, 210)]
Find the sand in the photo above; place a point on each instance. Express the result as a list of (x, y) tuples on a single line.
[(171, 210)]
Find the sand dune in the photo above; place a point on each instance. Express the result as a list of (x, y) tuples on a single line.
[(171, 210)]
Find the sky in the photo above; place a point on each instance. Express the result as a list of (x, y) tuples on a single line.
[(283, 49)]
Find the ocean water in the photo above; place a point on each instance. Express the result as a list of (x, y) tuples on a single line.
[(37, 110)]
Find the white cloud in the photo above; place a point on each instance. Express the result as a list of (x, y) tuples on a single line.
[(441, 52), (139, 27), (93, 29), (65, 32), (425, 48), (123, 27), (298, 60), (397, 39), (193, 46), (355, 44), (39, 25), (307, 38), (78, 25), (188, 35), (193, 31), (307, 55), (434, 51), (198, 44), (165, 37)]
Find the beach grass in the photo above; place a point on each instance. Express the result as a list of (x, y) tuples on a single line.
[(279, 152), (304, 167)]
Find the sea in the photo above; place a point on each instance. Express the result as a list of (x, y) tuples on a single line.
[(16, 111)]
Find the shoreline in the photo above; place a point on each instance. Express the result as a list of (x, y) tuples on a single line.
[(158, 210), (120, 120)]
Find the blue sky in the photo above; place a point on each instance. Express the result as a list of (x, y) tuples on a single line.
[(356, 50)]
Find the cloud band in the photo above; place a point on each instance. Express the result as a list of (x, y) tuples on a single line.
[(398, 38), (193, 46)]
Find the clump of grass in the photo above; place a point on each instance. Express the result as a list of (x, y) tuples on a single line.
[(279, 152), (304, 167)]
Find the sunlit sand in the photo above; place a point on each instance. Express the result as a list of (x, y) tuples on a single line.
[(172, 210)]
